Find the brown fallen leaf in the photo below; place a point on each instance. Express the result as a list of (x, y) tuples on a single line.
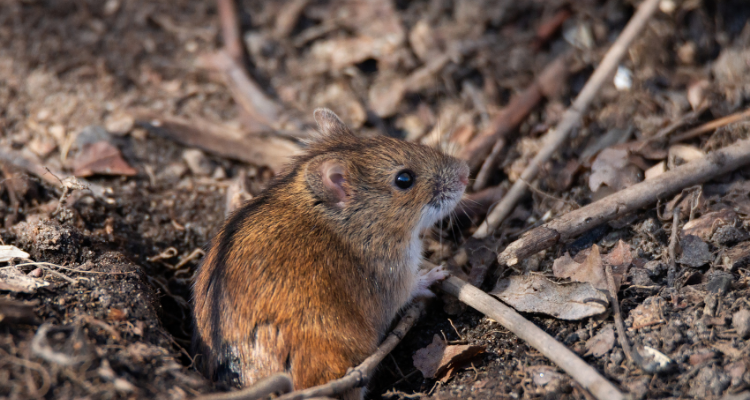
[(601, 343), (701, 357), (441, 361), (648, 313), (535, 293), (706, 225), (737, 257), (591, 268), (620, 255), (101, 158), (612, 167)]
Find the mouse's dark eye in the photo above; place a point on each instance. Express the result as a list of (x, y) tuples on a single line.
[(404, 180)]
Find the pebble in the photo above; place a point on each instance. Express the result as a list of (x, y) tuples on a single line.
[(741, 323), (119, 125), (197, 162)]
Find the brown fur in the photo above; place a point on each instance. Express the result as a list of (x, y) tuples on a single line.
[(297, 282)]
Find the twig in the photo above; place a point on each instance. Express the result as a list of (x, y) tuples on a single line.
[(709, 126), (583, 373), (245, 90), (68, 185), (634, 357), (46, 264), (571, 118), (278, 383), (547, 83), (549, 26), (31, 164), (627, 200), (673, 240), (230, 29), (360, 375), (223, 141)]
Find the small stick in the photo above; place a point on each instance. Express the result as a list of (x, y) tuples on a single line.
[(230, 29), (571, 118), (31, 164), (576, 222), (245, 91), (709, 126), (549, 26), (278, 383), (80, 271), (673, 240), (220, 140), (360, 375), (568, 361), (634, 357)]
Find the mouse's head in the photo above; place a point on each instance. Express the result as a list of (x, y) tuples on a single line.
[(380, 185)]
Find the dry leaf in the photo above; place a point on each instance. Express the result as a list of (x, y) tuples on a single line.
[(16, 281), (101, 158), (612, 167), (647, 313), (379, 34), (706, 225), (9, 252), (591, 269), (441, 361), (737, 257), (600, 344), (620, 255), (535, 293)]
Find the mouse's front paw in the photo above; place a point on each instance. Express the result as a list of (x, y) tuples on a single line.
[(427, 278)]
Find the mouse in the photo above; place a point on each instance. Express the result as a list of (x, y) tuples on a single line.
[(307, 277)]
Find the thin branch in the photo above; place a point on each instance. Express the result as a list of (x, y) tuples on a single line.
[(627, 200), (278, 383), (571, 118), (230, 29), (270, 150), (31, 164), (709, 126), (634, 357), (568, 361)]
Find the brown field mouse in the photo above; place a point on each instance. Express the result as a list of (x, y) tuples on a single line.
[(307, 277)]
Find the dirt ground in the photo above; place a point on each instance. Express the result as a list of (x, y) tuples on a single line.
[(108, 315)]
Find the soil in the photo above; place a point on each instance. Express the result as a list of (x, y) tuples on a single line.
[(113, 320)]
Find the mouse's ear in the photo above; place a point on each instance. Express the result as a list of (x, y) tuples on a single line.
[(329, 123), (327, 177)]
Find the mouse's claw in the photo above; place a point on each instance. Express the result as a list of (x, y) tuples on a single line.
[(427, 278)]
